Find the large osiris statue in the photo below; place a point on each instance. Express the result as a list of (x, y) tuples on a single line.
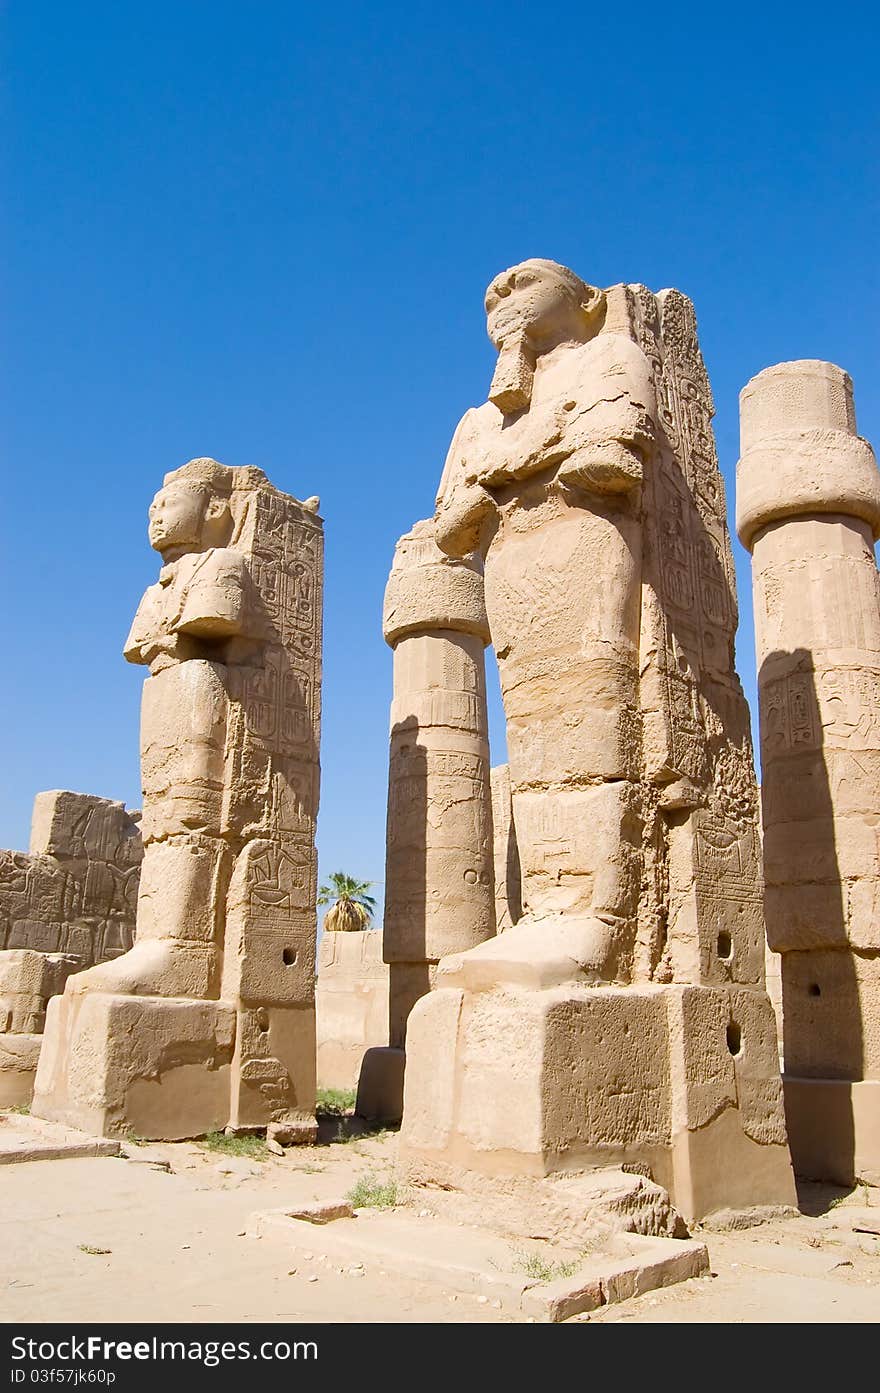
[(624, 1018)]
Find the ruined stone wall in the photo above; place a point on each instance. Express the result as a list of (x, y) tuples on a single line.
[(67, 903), (75, 890), (351, 1004)]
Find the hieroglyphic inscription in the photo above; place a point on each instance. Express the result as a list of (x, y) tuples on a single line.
[(79, 896), (690, 627)]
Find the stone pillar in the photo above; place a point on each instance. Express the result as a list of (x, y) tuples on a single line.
[(439, 876), (209, 1020), (808, 509)]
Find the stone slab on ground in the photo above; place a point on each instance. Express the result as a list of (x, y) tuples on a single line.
[(26, 1138), (477, 1261)]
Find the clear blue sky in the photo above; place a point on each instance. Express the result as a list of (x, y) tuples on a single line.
[(262, 232)]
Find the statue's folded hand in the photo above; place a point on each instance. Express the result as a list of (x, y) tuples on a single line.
[(605, 466), (460, 516)]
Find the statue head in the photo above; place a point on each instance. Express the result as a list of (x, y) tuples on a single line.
[(191, 510), (530, 309), (543, 300)]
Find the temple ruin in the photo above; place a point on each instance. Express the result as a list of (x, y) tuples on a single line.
[(568, 1003)]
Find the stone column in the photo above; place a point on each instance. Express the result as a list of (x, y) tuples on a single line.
[(439, 879), (808, 509)]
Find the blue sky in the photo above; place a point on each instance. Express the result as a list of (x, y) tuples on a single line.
[(263, 232)]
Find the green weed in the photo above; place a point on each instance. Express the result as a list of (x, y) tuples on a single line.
[(254, 1148), (372, 1192), (532, 1265), (335, 1102)]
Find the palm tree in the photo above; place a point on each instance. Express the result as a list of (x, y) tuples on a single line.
[(351, 907)]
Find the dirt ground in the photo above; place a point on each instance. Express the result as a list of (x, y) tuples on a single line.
[(165, 1238)]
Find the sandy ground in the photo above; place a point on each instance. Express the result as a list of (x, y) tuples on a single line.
[(177, 1249)]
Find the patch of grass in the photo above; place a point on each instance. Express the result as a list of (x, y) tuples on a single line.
[(23, 1109), (372, 1192), (335, 1102), (130, 1136), (532, 1265), (254, 1148), (94, 1252)]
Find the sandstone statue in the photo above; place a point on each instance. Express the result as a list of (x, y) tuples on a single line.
[(65, 905), (624, 1018), (808, 509), (209, 1020)]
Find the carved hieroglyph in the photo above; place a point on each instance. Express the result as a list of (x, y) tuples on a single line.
[(66, 904), (808, 509), (351, 1002), (209, 1020), (439, 877), (508, 887), (75, 890), (624, 1018)]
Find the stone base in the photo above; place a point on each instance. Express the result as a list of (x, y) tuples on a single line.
[(18, 1066), (584, 1209), (157, 1067), (678, 1082), (33, 1139), (834, 1129), (380, 1087)]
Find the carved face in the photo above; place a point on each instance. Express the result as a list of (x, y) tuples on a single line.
[(530, 298), (177, 517)]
